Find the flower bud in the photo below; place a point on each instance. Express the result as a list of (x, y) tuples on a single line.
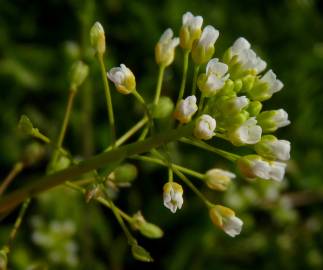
[(248, 133), (185, 109), (123, 79), (214, 79), (25, 126), (253, 166), (165, 48), (204, 127), (33, 153), (218, 179), (232, 105), (79, 72), (248, 82), (97, 37), (164, 108), (254, 108), (272, 148), (190, 30), (270, 121), (173, 196), (140, 254), (203, 48), (225, 218), (124, 174), (265, 87), (92, 192), (147, 229), (4, 258)]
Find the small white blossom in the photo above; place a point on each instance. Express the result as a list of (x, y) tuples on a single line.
[(274, 85), (271, 147), (165, 48), (214, 79), (270, 121), (204, 127), (281, 118), (173, 196), (248, 133), (232, 226), (190, 30), (218, 179), (191, 21), (185, 109), (246, 56), (123, 79), (277, 171)]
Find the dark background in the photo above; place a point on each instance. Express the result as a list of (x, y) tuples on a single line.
[(39, 40)]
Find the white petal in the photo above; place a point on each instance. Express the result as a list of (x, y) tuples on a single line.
[(239, 45), (209, 36), (277, 171), (216, 67), (167, 35), (233, 226)]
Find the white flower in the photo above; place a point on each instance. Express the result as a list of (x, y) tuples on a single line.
[(185, 109), (271, 147), (272, 120), (173, 196), (123, 79), (248, 133), (226, 219), (218, 179), (240, 103), (204, 48), (165, 48), (253, 166), (274, 85), (190, 30), (204, 127), (246, 56), (281, 118), (214, 79)]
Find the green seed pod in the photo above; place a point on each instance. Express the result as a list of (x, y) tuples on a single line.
[(33, 153), (139, 253), (125, 173), (164, 108)]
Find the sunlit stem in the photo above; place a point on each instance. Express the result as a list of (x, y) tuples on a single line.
[(192, 187), (159, 84), (62, 133), (108, 99), (196, 73), (18, 221), (17, 168), (185, 67), (203, 145)]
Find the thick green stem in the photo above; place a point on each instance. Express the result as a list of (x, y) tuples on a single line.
[(17, 168), (185, 67), (61, 136), (196, 73), (108, 98), (159, 84), (71, 173)]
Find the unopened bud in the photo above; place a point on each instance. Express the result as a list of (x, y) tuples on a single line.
[(97, 37), (270, 121), (25, 126), (125, 173), (204, 127), (139, 253), (147, 229), (254, 108), (218, 179), (79, 72), (33, 153), (165, 48), (190, 30), (164, 108)]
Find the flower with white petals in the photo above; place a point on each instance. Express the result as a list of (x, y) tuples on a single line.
[(232, 105), (226, 219), (203, 49), (185, 109), (204, 127), (165, 48), (173, 196), (248, 133), (218, 179), (247, 58), (214, 79), (123, 79), (190, 30), (272, 148), (274, 84), (270, 121), (253, 166)]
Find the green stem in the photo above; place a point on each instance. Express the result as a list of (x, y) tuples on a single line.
[(49, 181), (200, 107), (203, 145), (192, 187), (178, 167), (61, 136), (142, 101), (108, 99), (170, 175), (17, 168), (185, 67), (37, 134), (18, 221), (159, 84), (196, 73)]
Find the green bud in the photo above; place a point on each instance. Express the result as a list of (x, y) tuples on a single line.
[(227, 56), (270, 121), (200, 54), (254, 108), (164, 108), (228, 89), (139, 253), (237, 119), (147, 229), (125, 173), (237, 85), (61, 164), (33, 153), (3, 258), (25, 126), (97, 37), (79, 72), (248, 82), (260, 91)]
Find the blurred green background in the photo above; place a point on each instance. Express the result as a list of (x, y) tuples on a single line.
[(39, 40)]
